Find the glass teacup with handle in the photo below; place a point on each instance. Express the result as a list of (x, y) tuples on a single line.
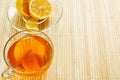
[(27, 53)]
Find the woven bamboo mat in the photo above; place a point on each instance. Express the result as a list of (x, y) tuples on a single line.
[(86, 41)]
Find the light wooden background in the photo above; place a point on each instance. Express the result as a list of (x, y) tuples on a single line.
[(86, 40)]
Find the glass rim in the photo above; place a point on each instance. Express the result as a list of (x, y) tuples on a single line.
[(42, 69)]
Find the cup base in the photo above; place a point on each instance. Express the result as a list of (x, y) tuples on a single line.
[(19, 22), (26, 19)]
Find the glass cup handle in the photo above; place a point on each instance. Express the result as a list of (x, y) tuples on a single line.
[(7, 74)]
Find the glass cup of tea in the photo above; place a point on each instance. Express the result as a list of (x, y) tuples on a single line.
[(27, 53), (21, 22)]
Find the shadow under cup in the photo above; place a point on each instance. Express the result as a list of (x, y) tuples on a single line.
[(27, 53)]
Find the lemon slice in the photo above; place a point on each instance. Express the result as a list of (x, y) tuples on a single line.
[(23, 7), (39, 9), (26, 44), (32, 25)]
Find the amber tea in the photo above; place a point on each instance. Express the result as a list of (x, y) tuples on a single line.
[(29, 53)]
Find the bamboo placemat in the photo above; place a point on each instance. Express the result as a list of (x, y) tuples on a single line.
[(86, 40)]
